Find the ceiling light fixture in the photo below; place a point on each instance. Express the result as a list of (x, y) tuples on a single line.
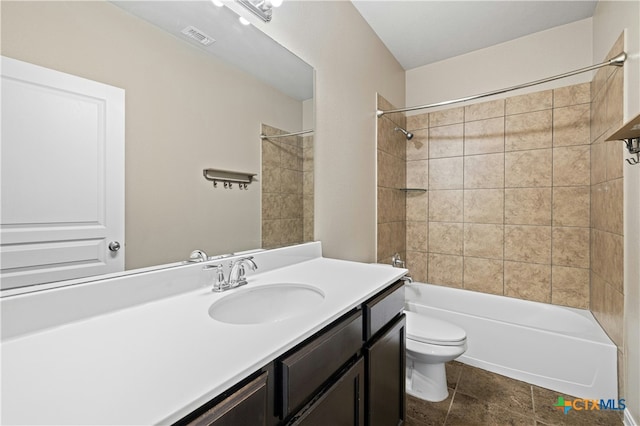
[(243, 20), (261, 8), (218, 3)]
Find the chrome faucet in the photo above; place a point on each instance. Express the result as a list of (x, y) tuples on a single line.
[(198, 256), (236, 274)]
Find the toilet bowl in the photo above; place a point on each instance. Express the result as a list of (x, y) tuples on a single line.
[(430, 343)]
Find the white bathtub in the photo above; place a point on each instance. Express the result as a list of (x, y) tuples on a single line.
[(558, 348)]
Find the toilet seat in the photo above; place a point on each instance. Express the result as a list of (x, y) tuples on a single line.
[(433, 331)]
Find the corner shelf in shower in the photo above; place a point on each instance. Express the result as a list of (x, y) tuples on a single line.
[(413, 190)]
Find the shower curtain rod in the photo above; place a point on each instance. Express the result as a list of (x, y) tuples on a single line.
[(617, 61), (303, 132)]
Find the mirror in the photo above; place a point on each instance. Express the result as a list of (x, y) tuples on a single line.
[(188, 107)]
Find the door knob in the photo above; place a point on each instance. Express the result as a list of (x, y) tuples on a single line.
[(114, 246)]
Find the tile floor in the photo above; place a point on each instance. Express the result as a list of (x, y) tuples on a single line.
[(478, 397)]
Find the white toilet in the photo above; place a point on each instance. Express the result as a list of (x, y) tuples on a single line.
[(431, 343)]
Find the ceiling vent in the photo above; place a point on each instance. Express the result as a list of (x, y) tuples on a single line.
[(197, 35)]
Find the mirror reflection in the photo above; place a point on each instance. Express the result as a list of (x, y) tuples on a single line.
[(188, 107)]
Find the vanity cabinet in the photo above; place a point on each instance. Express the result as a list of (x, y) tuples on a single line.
[(384, 353), (349, 373)]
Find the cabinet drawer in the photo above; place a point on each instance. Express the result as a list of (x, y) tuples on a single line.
[(248, 405), (305, 370), (383, 308)]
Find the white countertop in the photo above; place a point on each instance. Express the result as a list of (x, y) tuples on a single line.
[(155, 362)]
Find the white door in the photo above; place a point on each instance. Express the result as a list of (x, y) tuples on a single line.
[(62, 153)]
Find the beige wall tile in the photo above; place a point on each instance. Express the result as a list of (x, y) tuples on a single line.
[(272, 233), (271, 206), (384, 240), (417, 174), (271, 179), (291, 181), (607, 254), (571, 125), (445, 270), (527, 243), (615, 154), (484, 205), (484, 171), (484, 136), (391, 170), (418, 121), (485, 275), (529, 102), (417, 264), (571, 206), (528, 168), (529, 131), (447, 116), (614, 102), (607, 206), (445, 238), (484, 110), (598, 113), (483, 240), (292, 206), (571, 165), (446, 141), (527, 206), (571, 247), (391, 205), (417, 236), (417, 206), (607, 305), (445, 206), (389, 140), (270, 153), (598, 162), (570, 287), (527, 281), (291, 156), (572, 95), (446, 173), (418, 147), (292, 231)]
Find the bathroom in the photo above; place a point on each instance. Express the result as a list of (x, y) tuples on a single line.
[(352, 66)]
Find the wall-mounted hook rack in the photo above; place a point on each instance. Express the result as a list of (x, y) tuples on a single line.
[(630, 135), (228, 178)]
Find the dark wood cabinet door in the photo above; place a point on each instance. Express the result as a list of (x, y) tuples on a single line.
[(385, 365), (340, 405), (246, 406)]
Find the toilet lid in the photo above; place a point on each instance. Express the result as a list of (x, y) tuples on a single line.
[(432, 330)]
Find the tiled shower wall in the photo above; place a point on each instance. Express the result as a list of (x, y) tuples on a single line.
[(287, 189), (391, 153), (508, 201), (607, 290)]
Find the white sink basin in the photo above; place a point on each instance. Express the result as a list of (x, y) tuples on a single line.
[(266, 304)]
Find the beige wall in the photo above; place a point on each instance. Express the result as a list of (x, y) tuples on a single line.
[(185, 111), (351, 65), (525, 59), (609, 20)]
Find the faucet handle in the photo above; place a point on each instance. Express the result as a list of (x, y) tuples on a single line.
[(220, 284)]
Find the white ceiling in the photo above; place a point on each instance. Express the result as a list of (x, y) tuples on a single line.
[(421, 32)]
